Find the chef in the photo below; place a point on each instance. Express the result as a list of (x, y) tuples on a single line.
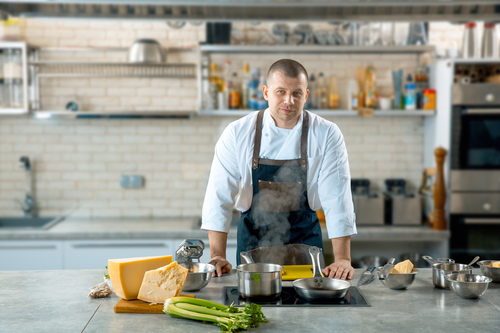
[(285, 163)]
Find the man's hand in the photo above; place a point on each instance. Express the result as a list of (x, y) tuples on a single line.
[(340, 269), (221, 266)]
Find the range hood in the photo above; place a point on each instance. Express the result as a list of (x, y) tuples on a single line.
[(260, 10)]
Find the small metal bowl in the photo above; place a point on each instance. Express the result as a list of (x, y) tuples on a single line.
[(491, 272), (399, 281), (199, 275), (468, 285)]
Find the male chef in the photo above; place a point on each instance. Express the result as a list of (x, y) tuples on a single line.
[(285, 163)]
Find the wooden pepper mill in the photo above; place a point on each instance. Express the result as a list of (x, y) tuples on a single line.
[(439, 192)]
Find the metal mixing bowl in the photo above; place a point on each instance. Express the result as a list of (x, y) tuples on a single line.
[(492, 272), (399, 281), (468, 285), (199, 275), (146, 51)]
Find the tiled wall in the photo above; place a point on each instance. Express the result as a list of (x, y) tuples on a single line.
[(78, 163)]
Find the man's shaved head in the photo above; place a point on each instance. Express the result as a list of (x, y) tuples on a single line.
[(288, 67)]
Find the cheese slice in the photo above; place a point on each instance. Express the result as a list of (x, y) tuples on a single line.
[(163, 283), (495, 264), (403, 267), (127, 274)]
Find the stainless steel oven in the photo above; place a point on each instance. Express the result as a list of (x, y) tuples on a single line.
[(475, 172)]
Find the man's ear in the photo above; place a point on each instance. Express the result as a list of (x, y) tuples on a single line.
[(265, 92), (307, 94)]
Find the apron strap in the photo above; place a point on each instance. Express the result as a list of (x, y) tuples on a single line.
[(303, 140)]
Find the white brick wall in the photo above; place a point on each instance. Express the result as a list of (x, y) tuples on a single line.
[(78, 163)]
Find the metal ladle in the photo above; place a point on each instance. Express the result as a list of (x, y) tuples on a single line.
[(470, 264)]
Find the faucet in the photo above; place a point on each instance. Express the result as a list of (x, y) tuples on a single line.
[(189, 249), (28, 205)]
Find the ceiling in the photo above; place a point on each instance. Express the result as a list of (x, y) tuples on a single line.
[(260, 10)]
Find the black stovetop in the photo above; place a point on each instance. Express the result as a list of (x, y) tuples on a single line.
[(289, 297)]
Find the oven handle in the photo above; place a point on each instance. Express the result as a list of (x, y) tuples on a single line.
[(481, 221), (481, 111)]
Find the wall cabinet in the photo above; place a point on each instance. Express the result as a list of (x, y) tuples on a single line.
[(31, 255), (13, 78)]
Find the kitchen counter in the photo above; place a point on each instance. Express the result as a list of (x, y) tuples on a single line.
[(175, 228), (57, 301)]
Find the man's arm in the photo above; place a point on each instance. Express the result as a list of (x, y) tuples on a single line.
[(218, 241), (341, 268)]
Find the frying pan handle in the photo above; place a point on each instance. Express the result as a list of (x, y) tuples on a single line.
[(315, 252)]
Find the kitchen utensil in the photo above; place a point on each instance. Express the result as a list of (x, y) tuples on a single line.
[(288, 254), (417, 34), (146, 51), (384, 272), (440, 271), (306, 32), (319, 287), (283, 31), (399, 281), (259, 280), (369, 207), (471, 263), (492, 272), (295, 272), (367, 277), (430, 260), (468, 285), (199, 275), (138, 306), (446, 261)]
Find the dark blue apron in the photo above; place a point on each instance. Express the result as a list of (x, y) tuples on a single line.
[(280, 213)]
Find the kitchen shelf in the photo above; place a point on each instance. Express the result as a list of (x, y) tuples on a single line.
[(340, 113), (315, 49), (89, 69), (180, 114)]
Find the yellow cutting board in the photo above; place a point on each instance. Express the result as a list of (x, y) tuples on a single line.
[(295, 272)]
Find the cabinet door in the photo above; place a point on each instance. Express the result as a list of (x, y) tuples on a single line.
[(230, 252), (31, 255), (95, 253)]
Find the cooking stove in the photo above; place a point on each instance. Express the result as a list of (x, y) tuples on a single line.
[(289, 297)]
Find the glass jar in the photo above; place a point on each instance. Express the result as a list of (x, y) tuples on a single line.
[(16, 93), (13, 65)]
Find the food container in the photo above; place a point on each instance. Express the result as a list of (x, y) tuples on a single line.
[(199, 275), (259, 280), (429, 102), (468, 285), (399, 281), (492, 272), (439, 272)]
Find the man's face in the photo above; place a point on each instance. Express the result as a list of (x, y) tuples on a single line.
[(286, 97)]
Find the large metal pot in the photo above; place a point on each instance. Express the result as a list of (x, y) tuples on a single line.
[(259, 280), (440, 270)]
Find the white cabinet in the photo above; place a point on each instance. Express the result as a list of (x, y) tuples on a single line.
[(31, 255), (83, 254), (14, 78)]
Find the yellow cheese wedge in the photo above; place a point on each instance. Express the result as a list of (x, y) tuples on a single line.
[(127, 274), (495, 264), (404, 267), (163, 283)]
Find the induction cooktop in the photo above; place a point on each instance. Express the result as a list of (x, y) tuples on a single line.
[(289, 297)]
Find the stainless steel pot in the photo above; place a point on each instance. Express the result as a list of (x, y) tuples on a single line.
[(259, 280), (439, 272)]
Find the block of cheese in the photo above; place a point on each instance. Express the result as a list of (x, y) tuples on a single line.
[(127, 274), (495, 264), (403, 267), (163, 283)]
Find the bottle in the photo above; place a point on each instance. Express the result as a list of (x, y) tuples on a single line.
[(261, 102), (469, 41), (410, 94), (244, 86), (310, 103), (253, 87), (352, 94), (234, 93), (321, 94), (214, 84), (489, 43), (370, 94), (227, 74), (333, 95)]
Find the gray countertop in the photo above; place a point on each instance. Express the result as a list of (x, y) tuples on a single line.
[(57, 301), (175, 228)]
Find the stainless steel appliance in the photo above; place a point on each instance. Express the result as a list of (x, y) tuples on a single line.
[(401, 208), (369, 207), (475, 170)]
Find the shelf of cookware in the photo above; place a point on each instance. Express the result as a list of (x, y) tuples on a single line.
[(315, 49), (171, 114), (328, 113)]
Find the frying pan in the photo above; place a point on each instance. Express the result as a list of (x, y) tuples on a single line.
[(319, 287)]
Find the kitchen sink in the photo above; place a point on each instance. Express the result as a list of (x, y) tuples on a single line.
[(39, 223)]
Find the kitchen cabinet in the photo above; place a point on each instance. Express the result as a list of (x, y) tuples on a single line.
[(31, 255), (84, 254), (13, 78)]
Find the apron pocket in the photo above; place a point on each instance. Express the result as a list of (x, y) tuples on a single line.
[(279, 197)]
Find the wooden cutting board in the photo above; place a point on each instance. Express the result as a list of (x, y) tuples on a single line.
[(138, 306), (295, 272)]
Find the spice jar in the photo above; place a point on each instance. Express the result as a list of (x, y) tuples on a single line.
[(429, 102)]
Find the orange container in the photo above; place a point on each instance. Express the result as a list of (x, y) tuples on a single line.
[(429, 102)]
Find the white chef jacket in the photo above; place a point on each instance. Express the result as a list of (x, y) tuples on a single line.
[(328, 176)]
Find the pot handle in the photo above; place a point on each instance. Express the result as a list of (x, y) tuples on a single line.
[(247, 257), (430, 260), (315, 252)]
